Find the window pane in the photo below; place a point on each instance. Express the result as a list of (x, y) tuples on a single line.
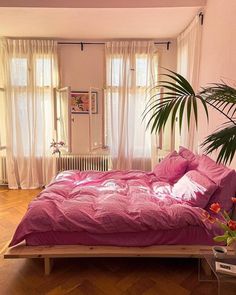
[(141, 71), (30, 126), (43, 72), (116, 68), (18, 71)]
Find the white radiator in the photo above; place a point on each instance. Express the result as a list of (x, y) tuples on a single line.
[(72, 162), (84, 162)]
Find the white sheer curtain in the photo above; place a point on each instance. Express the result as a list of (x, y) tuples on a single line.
[(29, 75), (131, 69), (2, 123), (188, 62)]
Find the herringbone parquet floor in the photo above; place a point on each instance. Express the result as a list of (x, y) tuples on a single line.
[(110, 276)]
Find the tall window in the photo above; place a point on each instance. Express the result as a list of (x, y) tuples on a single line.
[(30, 80), (30, 76), (131, 72)]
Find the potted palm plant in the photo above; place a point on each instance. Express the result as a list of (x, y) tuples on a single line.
[(179, 99)]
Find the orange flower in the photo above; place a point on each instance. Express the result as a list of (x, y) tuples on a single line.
[(233, 200), (215, 207), (232, 225)]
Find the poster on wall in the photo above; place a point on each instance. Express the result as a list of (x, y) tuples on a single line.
[(80, 102)]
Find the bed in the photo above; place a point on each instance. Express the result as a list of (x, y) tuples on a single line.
[(127, 210), (119, 208)]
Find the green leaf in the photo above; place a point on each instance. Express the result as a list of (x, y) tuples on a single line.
[(189, 108), (222, 97), (224, 226), (221, 238), (175, 109), (175, 88), (195, 111), (182, 81), (204, 105), (223, 141), (179, 99), (181, 114), (233, 234), (230, 240)]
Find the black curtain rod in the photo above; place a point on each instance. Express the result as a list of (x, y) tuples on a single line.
[(201, 15), (102, 43)]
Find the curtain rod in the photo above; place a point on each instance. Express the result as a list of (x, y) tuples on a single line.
[(102, 43), (201, 15)]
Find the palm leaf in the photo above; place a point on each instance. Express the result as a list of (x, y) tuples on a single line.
[(181, 80), (222, 97), (223, 140), (178, 99)]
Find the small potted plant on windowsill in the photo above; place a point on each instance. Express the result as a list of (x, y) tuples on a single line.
[(56, 149)]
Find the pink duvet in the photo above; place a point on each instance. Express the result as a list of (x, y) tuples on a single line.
[(108, 202)]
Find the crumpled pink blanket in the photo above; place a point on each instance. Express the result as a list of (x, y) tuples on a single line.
[(107, 202)]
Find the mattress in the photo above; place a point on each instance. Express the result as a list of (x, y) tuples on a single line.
[(191, 235)]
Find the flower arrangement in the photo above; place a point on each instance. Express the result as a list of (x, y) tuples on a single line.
[(227, 224), (56, 146)]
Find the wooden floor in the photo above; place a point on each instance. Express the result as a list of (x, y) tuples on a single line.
[(110, 276)]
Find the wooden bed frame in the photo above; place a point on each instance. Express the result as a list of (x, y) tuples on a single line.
[(48, 253)]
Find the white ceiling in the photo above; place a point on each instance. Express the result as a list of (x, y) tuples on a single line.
[(92, 23)]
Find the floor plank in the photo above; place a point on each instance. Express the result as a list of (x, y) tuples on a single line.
[(90, 276)]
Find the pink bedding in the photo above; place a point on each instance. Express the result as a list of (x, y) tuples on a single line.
[(107, 203), (181, 236)]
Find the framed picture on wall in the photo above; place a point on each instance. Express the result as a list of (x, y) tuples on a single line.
[(80, 102)]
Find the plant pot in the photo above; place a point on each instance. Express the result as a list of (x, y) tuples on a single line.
[(219, 252)]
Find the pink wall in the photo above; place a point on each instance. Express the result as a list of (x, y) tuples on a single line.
[(102, 3), (82, 69), (218, 60)]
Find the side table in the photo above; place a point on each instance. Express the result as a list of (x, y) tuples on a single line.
[(207, 272)]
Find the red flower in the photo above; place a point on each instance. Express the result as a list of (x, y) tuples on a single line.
[(215, 207), (233, 200), (232, 225)]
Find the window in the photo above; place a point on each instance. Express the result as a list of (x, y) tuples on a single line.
[(116, 64), (31, 80), (128, 82), (140, 71), (43, 72), (19, 71)]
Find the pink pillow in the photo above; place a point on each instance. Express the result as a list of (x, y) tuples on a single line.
[(194, 188), (225, 179), (171, 168), (190, 157)]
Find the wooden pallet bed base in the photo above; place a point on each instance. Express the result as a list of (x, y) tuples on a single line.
[(48, 253)]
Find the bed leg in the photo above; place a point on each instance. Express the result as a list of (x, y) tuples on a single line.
[(48, 264), (205, 267)]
